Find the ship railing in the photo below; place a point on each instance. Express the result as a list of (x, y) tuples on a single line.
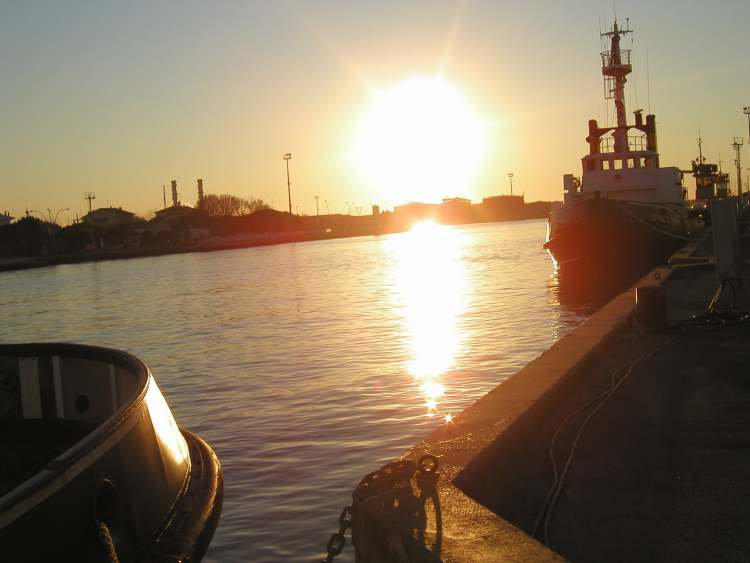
[(635, 142), (608, 58)]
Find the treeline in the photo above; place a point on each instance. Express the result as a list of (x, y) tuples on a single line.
[(227, 205), (219, 213)]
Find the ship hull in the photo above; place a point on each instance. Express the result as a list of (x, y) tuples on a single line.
[(602, 239)]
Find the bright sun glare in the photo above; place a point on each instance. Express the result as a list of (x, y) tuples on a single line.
[(419, 141)]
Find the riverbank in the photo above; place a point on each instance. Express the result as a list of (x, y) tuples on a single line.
[(208, 245), (215, 243), (658, 474)]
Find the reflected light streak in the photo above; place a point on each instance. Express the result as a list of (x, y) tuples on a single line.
[(431, 281)]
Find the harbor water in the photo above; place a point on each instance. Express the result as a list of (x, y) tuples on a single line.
[(308, 365)]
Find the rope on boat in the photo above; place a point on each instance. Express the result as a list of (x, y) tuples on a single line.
[(649, 225), (108, 544)]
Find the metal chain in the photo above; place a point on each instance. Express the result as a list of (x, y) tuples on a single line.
[(373, 484), (338, 540)]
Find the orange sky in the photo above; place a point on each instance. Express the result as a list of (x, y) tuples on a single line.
[(120, 99)]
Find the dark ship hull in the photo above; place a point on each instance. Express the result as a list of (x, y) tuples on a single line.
[(606, 239)]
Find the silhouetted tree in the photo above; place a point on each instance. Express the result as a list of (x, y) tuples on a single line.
[(224, 205), (25, 237)]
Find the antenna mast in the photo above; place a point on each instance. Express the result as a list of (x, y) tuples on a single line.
[(615, 67)]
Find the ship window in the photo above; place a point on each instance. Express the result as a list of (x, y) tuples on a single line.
[(641, 162), (605, 164), (618, 164), (631, 163)]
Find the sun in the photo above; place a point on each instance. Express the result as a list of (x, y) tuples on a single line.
[(419, 141)]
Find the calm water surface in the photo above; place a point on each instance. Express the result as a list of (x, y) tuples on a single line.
[(308, 365)]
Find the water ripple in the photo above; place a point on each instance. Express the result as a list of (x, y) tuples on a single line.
[(297, 362)]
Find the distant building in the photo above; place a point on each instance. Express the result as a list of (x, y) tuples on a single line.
[(109, 217), (167, 218), (456, 202), (415, 210), (503, 207), (455, 210), (5, 219)]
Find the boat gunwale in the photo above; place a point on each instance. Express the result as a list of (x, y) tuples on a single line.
[(58, 465)]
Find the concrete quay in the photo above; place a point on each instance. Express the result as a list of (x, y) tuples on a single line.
[(659, 426)]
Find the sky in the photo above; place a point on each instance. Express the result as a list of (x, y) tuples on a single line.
[(119, 98)]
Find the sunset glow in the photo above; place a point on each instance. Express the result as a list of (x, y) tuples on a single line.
[(420, 141)]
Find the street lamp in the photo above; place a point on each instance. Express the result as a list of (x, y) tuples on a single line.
[(737, 145), (287, 157), (49, 220), (510, 177), (54, 221)]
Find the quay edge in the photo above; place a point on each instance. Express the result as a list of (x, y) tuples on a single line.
[(458, 528)]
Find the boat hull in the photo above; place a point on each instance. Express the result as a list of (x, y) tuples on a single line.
[(125, 466), (602, 239)]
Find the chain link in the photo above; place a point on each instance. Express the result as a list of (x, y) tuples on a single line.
[(377, 482)]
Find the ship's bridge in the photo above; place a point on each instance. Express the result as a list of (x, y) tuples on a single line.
[(628, 176)]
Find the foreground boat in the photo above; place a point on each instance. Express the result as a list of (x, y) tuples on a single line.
[(92, 464), (626, 213)]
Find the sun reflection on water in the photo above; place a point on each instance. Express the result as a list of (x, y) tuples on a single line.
[(431, 281)]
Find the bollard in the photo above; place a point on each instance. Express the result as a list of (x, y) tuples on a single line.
[(651, 306)]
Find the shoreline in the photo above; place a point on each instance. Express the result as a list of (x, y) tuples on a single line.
[(208, 245)]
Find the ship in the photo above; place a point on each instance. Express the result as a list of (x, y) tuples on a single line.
[(626, 213), (93, 466)]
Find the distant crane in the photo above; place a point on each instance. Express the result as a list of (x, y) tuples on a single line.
[(89, 196), (317, 210), (510, 177)]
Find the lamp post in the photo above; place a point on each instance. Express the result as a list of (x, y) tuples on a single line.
[(54, 221), (49, 220), (287, 157), (510, 177), (737, 145)]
